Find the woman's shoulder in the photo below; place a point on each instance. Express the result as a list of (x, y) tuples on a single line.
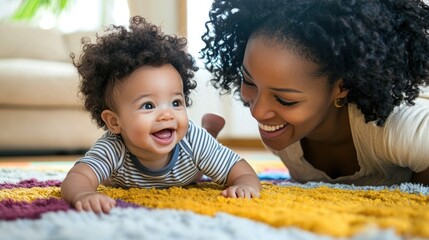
[(403, 116), (410, 116), (402, 138)]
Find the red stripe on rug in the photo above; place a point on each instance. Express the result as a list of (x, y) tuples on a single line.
[(12, 210), (29, 183)]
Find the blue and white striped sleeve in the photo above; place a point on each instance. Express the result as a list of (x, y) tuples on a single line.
[(212, 158), (105, 156)]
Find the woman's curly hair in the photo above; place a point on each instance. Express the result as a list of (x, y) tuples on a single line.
[(380, 48), (118, 52)]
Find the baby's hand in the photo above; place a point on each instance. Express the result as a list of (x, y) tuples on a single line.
[(95, 202), (240, 191)]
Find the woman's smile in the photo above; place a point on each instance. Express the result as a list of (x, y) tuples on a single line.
[(272, 131), (270, 128)]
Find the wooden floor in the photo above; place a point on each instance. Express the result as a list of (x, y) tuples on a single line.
[(45, 158), (260, 160), (245, 147), (244, 152)]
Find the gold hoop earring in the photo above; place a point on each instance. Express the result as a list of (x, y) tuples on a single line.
[(340, 102)]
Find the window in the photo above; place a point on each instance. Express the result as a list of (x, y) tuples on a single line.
[(79, 15)]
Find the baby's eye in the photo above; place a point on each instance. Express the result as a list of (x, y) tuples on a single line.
[(148, 106), (177, 103), (284, 102)]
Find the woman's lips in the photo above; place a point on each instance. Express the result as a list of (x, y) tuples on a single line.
[(270, 128), (271, 131)]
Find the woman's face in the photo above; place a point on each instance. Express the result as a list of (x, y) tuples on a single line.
[(286, 97)]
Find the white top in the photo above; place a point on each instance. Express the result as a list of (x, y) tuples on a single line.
[(197, 151), (386, 155)]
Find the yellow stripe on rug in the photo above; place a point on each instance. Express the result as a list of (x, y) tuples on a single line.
[(30, 194), (323, 210)]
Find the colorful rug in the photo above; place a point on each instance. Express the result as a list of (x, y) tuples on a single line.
[(31, 208)]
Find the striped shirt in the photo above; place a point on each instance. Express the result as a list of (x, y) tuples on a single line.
[(197, 152)]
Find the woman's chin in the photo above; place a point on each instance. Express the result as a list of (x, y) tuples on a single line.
[(274, 144), (276, 140)]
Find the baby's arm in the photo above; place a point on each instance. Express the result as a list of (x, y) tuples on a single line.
[(79, 189), (243, 181)]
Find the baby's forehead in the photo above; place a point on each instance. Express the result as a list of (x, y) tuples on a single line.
[(152, 78)]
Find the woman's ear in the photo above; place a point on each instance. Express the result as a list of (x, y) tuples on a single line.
[(111, 120), (339, 91)]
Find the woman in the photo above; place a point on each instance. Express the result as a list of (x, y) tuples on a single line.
[(334, 85)]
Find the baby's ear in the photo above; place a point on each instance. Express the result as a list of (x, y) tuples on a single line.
[(110, 118)]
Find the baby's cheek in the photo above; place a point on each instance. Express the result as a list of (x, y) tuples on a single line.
[(183, 129), (139, 134)]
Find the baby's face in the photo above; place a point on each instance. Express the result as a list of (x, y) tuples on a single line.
[(151, 110)]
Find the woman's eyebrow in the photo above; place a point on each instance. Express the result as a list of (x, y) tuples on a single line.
[(290, 90), (244, 70)]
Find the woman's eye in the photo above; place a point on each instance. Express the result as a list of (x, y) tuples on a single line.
[(246, 82), (177, 103), (285, 103), (148, 106)]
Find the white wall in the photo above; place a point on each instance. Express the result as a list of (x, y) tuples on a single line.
[(164, 13), (93, 15), (239, 122), (80, 15)]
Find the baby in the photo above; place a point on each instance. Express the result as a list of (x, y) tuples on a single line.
[(136, 84)]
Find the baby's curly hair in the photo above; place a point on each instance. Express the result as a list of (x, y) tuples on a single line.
[(118, 52), (379, 48)]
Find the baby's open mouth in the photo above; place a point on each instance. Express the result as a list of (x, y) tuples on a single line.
[(164, 133)]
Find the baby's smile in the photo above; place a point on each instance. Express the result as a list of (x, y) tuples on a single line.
[(164, 136)]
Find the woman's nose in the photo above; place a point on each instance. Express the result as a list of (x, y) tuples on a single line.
[(261, 107)]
